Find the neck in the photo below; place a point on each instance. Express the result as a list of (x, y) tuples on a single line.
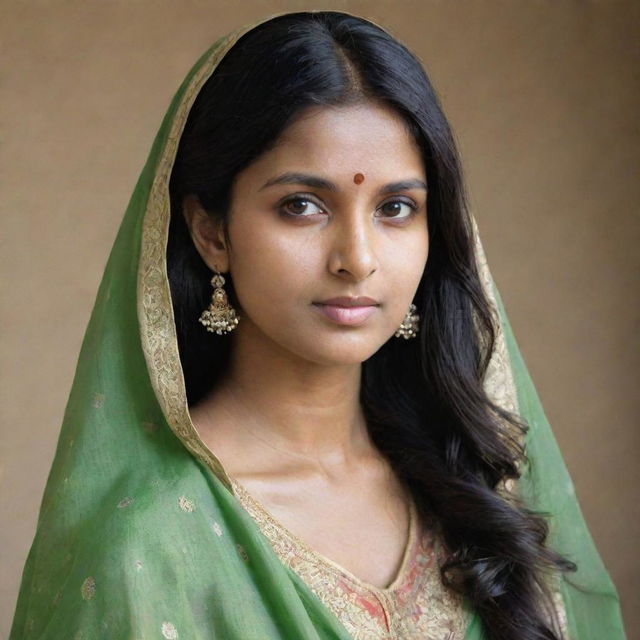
[(297, 407)]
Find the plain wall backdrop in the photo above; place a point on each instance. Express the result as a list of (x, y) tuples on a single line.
[(544, 99)]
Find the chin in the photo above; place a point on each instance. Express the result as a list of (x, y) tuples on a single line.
[(338, 350)]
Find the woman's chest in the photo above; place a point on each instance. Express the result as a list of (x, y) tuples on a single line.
[(361, 528), (415, 604)]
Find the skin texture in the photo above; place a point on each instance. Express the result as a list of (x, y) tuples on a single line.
[(287, 423)]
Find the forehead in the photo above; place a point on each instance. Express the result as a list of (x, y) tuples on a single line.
[(366, 138)]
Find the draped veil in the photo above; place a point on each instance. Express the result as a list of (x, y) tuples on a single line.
[(139, 535)]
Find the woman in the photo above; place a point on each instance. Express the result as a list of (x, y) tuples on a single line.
[(299, 410)]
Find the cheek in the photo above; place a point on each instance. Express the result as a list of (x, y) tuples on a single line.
[(270, 270), (405, 261)]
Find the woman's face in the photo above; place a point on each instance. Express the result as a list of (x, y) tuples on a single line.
[(336, 209)]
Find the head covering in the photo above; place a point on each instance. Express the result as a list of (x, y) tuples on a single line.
[(139, 534)]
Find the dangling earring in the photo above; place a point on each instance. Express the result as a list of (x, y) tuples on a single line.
[(409, 327), (220, 316)]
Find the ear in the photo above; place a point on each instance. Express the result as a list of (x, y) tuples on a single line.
[(206, 233)]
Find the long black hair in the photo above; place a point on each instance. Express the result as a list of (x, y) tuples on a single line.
[(426, 407)]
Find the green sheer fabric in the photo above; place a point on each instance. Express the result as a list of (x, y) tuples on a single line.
[(139, 536)]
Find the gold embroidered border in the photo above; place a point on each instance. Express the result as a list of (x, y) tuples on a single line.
[(155, 311), (498, 383), (500, 387)]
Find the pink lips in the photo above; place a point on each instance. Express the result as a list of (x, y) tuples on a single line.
[(347, 311)]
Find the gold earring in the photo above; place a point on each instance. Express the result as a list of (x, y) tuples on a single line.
[(220, 317), (409, 326)]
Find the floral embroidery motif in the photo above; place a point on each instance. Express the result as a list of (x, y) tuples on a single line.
[(169, 631), (88, 588), (125, 502), (242, 552), (98, 400), (186, 504)]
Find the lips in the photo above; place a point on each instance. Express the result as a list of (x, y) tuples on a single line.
[(345, 301), (347, 311)]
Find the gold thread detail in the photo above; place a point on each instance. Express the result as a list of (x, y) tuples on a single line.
[(155, 312), (415, 604), (88, 588), (169, 631), (186, 505)]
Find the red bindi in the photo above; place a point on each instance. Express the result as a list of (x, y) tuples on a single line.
[(358, 178)]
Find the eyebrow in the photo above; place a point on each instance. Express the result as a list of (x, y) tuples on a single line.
[(321, 183)]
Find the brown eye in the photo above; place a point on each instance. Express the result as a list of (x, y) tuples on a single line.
[(398, 209), (299, 206)]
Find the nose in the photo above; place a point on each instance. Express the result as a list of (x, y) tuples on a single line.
[(353, 251)]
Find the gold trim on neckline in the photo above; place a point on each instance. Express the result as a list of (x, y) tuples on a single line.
[(402, 572)]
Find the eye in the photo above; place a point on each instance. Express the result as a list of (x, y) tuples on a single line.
[(398, 209), (299, 206)]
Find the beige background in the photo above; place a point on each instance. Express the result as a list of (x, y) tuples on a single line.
[(544, 98)]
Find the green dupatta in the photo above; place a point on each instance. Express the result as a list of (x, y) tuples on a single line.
[(139, 535)]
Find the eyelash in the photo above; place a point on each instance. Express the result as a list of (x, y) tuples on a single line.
[(305, 198)]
